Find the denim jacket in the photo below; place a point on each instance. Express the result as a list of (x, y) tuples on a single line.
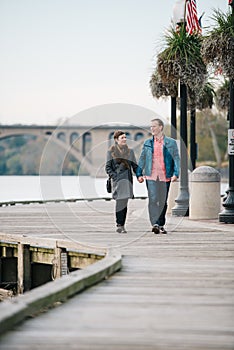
[(170, 154)]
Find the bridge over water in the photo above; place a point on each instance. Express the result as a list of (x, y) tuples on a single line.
[(86, 143)]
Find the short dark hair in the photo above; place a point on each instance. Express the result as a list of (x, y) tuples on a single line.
[(159, 121), (118, 133)]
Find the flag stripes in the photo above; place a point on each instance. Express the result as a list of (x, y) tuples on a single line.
[(192, 23)]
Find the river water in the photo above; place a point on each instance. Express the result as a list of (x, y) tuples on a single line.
[(20, 188)]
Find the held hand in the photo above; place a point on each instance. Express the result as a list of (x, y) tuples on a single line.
[(140, 179), (174, 178)]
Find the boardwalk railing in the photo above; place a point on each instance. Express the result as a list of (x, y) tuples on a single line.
[(47, 295), (33, 261)]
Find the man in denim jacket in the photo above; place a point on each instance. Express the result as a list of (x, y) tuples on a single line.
[(160, 162)]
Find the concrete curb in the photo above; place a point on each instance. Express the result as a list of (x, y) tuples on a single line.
[(19, 308)]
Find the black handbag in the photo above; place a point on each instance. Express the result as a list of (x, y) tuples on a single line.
[(108, 185)]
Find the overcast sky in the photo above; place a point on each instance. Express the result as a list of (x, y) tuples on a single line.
[(61, 57)]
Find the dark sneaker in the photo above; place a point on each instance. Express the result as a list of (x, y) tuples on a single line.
[(162, 230), (121, 229), (155, 229)]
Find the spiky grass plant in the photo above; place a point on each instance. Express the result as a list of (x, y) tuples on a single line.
[(201, 99), (205, 99), (218, 46), (160, 89), (182, 59), (222, 96)]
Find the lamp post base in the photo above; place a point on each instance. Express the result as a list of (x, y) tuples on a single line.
[(182, 204), (227, 215)]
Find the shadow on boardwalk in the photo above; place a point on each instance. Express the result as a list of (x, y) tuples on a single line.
[(174, 291)]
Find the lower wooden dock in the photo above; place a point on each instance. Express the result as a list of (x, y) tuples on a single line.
[(174, 291)]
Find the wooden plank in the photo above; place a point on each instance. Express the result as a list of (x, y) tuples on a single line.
[(50, 243), (20, 269), (23, 268), (174, 291)]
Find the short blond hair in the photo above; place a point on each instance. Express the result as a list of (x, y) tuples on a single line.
[(159, 121)]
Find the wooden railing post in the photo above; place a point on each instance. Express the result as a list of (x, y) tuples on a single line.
[(59, 263), (24, 268)]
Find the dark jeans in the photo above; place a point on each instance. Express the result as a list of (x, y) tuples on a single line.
[(157, 193), (121, 211)]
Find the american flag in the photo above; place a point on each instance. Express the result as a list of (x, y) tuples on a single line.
[(192, 23)]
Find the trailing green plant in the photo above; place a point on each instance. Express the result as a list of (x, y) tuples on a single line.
[(218, 46), (182, 59), (205, 98), (222, 97), (160, 89), (201, 99)]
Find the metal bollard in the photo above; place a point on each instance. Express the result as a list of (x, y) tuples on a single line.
[(205, 201)]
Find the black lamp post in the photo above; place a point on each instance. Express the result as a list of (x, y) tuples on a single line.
[(182, 201), (173, 118), (227, 215), (193, 145)]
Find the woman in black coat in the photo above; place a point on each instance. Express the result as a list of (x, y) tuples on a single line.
[(120, 162)]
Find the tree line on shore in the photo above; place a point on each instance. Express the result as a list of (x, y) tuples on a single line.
[(21, 155)]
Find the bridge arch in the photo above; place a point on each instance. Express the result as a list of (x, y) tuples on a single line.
[(128, 135), (110, 139), (74, 151), (61, 136), (138, 136), (74, 139), (87, 145)]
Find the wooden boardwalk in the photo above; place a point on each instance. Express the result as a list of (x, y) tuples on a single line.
[(174, 291)]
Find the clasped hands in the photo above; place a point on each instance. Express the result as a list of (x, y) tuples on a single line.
[(140, 179)]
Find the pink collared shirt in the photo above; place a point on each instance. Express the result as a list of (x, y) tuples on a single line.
[(158, 166)]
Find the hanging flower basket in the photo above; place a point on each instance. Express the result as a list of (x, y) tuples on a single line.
[(182, 60), (222, 97), (218, 47), (160, 89)]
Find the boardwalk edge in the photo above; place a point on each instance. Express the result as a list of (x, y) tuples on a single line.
[(17, 309)]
